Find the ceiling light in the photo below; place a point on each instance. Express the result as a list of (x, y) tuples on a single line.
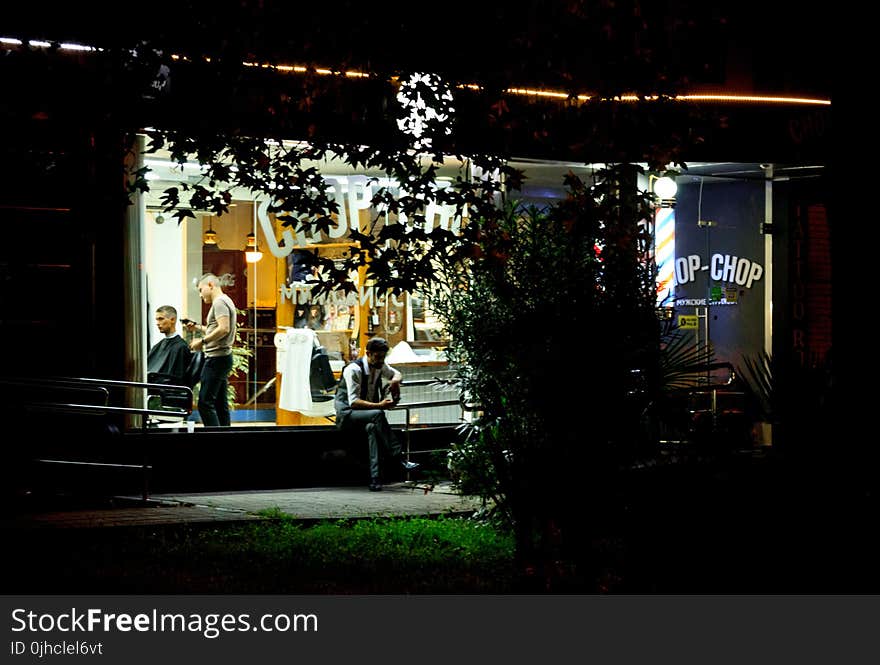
[(252, 252), (210, 237)]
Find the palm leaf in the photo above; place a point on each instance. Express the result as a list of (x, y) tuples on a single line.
[(683, 364), (758, 377)]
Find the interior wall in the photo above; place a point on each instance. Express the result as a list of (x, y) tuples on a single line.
[(192, 302), (164, 254)]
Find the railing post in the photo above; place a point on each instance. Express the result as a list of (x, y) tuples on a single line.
[(145, 493), (406, 429), (145, 480)]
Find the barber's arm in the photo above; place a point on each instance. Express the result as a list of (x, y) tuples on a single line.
[(221, 330)]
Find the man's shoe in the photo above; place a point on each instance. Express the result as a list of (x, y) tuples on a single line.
[(409, 466), (375, 486)]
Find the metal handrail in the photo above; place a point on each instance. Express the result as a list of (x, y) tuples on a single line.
[(32, 382), (427, 382), (98, 409), (101, 385), (110, 382), (420, 405)]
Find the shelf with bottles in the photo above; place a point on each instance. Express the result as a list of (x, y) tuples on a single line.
[(387, 320)]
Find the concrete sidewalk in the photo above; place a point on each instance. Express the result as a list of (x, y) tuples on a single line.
[(401, 499)]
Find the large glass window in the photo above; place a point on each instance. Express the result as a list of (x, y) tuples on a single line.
[(716, 270)]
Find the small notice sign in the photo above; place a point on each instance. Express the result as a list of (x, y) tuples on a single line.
[(688, 321)]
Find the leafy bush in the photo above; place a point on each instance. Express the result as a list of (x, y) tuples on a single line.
[(548, 322)]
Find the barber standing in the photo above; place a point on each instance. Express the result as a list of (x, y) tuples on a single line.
[(219, 335)]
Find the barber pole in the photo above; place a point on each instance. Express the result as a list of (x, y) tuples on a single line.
[(664, 252)]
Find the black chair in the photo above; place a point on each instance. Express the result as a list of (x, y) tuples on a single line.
[(174, 398), (321, 380)]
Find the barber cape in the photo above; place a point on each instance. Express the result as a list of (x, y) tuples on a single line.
[(169, 356)]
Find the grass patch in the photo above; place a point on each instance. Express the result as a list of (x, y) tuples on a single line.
[(278, 555)]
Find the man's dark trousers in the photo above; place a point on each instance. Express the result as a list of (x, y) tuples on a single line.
[(213, 403), (375, 424)]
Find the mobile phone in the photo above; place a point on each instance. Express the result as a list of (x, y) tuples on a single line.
[(186, 322)]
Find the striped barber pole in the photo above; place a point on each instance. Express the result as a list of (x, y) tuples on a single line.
[(664, 253)]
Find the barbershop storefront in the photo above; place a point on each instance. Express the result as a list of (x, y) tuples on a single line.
[(727, 245), (261, 266)]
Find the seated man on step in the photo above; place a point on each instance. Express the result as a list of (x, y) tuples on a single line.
[(362, 397)]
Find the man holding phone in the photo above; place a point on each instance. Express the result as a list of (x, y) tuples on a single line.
[(367, 388), (216, 343)]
